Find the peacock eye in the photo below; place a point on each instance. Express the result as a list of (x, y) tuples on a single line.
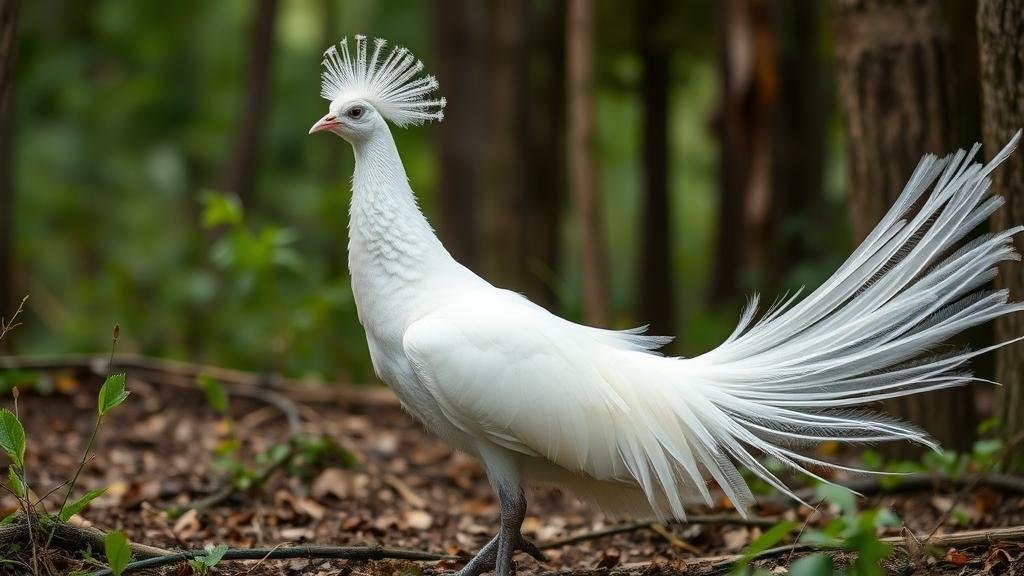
[(355, 113)]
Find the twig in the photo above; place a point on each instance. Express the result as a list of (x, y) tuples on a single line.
[(953, 540), (7, 325), (999, 457), (278, 553), (646, 525), (299, 390), (868, 486)]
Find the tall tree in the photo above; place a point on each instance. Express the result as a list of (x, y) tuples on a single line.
[(583, 183), (544, 182), (241, 167), (799, 136), (502, 200), (657, 296), (896, 80), (460, 35), (1001, 50), (8, 37), (749, 88)]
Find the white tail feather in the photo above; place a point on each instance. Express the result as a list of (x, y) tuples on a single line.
[(791, 378)]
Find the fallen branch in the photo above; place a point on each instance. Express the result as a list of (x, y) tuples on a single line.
[(72, 538), (647, 525), (871, 485), (299, 390), (309, 552), (952, 540)]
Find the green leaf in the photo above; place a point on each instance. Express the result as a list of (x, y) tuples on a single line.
[(17, 486), (220, 209), (9, 518), (117, 551), (770, 538), (216, 395), (211, 558), (112, 394), (841, 497), (77, 506), (814, 565), (12, 437)]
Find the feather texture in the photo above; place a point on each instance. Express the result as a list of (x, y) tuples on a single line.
[(537, 397), (390, 83)]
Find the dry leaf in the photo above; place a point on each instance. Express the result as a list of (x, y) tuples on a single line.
[(403, 490), (418, 519), (956, 558), (187, 525), (332, 482)]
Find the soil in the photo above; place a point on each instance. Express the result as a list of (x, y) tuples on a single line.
[(382, 480)]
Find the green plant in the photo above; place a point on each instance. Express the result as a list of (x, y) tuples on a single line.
[(203, 564), (852, 531), (13, 443), (770, 538), (117, 551)]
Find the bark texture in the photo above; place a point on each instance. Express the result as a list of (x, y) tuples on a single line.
[(657, 296), (583, 183), (897, 90), (750, 88), (461, 27), (1001, 49), (8, 41)]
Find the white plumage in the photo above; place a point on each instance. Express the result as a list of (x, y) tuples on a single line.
[(539, 398)]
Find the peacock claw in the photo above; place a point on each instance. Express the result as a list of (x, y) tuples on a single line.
[(486, 559), (531, 549)]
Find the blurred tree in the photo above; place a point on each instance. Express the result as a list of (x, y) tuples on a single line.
[(583, 185), (501, 218), (1001, 47), (543, 184), (502, 214), (241, 167), (8, 42), (896, 79), (750, 86), (460, 28), (656, 292), (799, 138)]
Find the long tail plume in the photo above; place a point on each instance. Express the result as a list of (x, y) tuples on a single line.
[(869, 333)]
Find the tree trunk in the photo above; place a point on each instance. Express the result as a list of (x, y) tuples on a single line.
[(895, 68), (799, 137), (8, 42), (749, 93), (501, 200), (460, 27), (1001, 48), (242, 166), (583, 183), (544, 181), (657, 297)]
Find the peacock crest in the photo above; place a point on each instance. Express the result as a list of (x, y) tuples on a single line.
[(392, 84)]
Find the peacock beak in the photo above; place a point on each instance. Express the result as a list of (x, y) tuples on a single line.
[(325, 123)]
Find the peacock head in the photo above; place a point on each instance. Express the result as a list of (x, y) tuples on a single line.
[(364, 92)]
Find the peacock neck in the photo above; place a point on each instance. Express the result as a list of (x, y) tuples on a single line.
[(389, 238)]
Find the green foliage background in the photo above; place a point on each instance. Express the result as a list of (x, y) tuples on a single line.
[(125, 117)]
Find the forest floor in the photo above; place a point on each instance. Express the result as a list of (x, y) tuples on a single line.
[(380, 479)]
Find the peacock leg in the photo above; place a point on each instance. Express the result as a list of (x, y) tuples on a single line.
[(497, 554)]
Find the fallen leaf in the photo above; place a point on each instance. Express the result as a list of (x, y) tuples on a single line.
[(956, 558), (332, 482), (610, 558), (418, 519), (187, 525)]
